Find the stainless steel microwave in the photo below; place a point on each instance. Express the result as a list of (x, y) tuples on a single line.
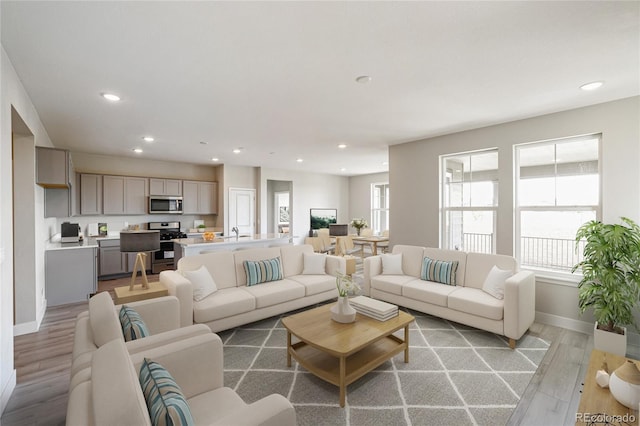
[(162, 204)]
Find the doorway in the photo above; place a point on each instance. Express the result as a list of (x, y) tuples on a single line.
[(280, 214)]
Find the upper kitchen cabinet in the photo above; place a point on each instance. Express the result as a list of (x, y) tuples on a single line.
[(165, 186), (200, 197), (53, 168), (90, 194), (124, 195)]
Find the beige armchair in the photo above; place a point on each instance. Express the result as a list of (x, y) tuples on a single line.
[(113, 396)]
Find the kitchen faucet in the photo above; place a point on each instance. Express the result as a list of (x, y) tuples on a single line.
[(236, 230)]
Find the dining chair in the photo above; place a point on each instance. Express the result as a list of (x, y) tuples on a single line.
[(384, 245), (347, 246), (366, 232)]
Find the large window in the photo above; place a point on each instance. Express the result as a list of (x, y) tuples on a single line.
[(469, 201), (379, 207), (557, 190)]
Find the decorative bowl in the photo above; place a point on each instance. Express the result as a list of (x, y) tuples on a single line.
[(209, 236)]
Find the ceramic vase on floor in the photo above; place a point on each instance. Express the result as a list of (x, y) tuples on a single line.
[(342, 311)]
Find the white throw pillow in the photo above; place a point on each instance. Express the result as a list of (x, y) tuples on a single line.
[(392, 264), (202, 281), (494, 283), (314, 264)]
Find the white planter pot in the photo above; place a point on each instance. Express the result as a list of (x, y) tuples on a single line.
[(610, 342)]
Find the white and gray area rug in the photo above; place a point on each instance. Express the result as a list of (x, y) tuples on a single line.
[(455, 375)]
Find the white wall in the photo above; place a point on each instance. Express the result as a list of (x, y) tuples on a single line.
[(12, 93), (414, 180), (139, 166)]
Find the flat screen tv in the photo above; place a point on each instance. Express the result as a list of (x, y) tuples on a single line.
[(322, 218)]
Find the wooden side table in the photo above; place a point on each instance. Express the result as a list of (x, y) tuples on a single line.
[(596, 401), (124, 295)]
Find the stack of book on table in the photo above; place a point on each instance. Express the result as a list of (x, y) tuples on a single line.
[(376, 309)]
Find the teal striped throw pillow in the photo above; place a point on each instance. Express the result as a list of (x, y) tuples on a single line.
[(133, 327), (262, 271), (165, 400), (439, 271)]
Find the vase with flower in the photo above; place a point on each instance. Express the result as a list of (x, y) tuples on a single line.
[(342, 311), (359, 223)]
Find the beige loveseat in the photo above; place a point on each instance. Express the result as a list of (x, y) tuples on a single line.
[(113, 395), (234, 303), (100, 324), (464, 302)]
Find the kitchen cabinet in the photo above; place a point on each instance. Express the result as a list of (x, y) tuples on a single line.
[(113, 262), (124, 195), (70, 275), (200, 197), (165, 186), (53, 168), (90, 194)]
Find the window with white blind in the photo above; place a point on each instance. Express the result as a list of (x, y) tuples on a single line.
[(379, 207), (469, 201), (557, 190)]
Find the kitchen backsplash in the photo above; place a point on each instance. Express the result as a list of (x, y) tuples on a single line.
[(115, 224)]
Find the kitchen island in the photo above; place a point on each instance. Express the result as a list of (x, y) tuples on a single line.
[(190, 246)]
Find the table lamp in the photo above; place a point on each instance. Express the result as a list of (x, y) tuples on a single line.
[(139, 242)]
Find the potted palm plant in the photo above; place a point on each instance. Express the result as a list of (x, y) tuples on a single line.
[(610, 281)]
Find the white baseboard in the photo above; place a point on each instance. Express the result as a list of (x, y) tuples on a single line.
[(31, 326), (7, 390), (25, 328), (579, 326)]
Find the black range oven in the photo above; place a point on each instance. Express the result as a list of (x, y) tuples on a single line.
[(164, 258)]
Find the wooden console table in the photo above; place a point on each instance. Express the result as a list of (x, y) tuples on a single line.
[(596, 401), (124, 295)]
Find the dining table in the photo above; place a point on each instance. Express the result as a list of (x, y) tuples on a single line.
[(373, 239)]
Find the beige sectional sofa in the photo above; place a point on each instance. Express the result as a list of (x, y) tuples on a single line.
[(465, 302), (113, 395), (234, 303)]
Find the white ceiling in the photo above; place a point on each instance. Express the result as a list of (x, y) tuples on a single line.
[(278, 78)]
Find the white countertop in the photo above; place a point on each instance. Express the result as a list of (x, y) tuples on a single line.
[(85, 243), (190, 242)]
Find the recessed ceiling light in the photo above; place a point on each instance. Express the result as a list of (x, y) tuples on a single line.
[(238, 150), (363, 79), (110, 97), (342, 146), (204, 143), (148, 139), (215, 159), (299, 160), (137, 150), (592, 86)]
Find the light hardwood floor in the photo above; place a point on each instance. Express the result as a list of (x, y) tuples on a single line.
[(43, 360)]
